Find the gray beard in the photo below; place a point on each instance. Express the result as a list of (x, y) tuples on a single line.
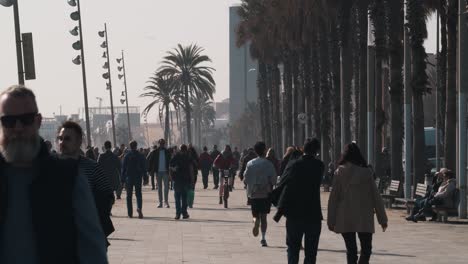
[(20, 150)]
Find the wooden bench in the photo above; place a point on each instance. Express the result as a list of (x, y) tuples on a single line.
[(421, 190), (444, 212), (390, 198)]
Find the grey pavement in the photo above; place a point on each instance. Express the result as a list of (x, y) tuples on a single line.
[(217, 235)]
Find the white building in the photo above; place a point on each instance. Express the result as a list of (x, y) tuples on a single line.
[(242, 71)]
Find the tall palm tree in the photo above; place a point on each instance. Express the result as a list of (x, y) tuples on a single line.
[(416, 17), (394, 18), (204, 116), (187, 66), (164, 92)]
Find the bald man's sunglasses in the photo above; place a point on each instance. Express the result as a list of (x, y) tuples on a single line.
[(9, 121)]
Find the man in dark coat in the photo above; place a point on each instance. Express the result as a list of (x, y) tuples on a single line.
[(206, 162), (298, 198), (182, 175), (111, 165), (133, 171), (158, 163), (214, 154), (44, 202)]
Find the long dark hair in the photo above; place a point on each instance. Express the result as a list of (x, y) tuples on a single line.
[(352, 154)]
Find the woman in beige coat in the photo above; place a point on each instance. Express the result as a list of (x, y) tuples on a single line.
[(353, 201)]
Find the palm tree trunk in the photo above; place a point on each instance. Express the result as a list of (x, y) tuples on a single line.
[(166, 124), (442, 72), (378, 19), (336, 83), (307, 89), (188, 115), (356, 92), (346, 55), (316, 75), (296, 99), (451, 104), (325, 92), (418, 32), (272, 107), (363, 31), (287, 111), (279, 124), (263, 96), (395, 15)]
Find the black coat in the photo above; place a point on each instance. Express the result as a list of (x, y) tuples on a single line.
[(298, 193), (153, 160), (51, 206)]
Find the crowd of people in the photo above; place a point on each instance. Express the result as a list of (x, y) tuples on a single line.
[(56, 205)]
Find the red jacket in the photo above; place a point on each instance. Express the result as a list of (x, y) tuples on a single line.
[(224, 163)]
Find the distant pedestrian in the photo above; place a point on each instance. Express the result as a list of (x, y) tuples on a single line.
[(195, 166), (271, 156), (158, 163), (112, 167), (214, 154), (133, 171), (297, 197), (206, 162), (181, 165), (260, 176), (353, 201)]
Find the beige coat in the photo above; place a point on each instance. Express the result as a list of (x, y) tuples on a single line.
[(353, 201)]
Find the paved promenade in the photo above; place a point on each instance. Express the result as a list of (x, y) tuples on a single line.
[(217, 235)]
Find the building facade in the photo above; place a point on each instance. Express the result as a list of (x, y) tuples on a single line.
[(242, 71)]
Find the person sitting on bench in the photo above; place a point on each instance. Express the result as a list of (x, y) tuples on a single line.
[(441, 194)]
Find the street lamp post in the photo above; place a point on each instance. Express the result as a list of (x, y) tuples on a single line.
[(105, 45), (124, 75), (76, 16)]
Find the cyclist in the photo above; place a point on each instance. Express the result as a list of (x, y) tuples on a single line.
[(225, 161)]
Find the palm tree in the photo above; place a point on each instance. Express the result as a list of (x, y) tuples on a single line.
[(416, 16), (394, 15), (186, 65), (204, 116), (164, 92)]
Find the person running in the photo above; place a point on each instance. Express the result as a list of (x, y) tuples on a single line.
[(206, 162), (224, 162), (158, 162), (353, 201), (260, 176), (45, 201), (70, 138), (297, 197), (182, 175), (214, 154), (133, 171)]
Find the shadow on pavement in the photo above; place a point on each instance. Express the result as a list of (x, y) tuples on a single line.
[(195, 220), (373, 253), (121, 239)]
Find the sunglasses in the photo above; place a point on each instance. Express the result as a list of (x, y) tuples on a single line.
[(9, 121)]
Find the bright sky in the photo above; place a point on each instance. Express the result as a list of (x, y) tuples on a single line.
[(145, 29)]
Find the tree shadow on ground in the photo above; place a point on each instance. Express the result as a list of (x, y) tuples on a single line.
[(373, 253), (220, 209), (121, 239), (192, 220)]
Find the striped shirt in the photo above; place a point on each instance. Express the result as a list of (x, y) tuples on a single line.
[(98, 182)]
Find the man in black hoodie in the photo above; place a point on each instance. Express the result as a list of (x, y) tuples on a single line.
[(298, 198)]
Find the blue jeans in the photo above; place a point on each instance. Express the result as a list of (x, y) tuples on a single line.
[(129, 186), (161, 177), (295, 230), (180, 196)]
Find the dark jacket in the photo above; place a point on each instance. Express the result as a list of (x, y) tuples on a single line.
[(133, 166), (153, 160), (214, 154), (183, 174), (205, 161), (51, 205), (111, 165), (298, 193)]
